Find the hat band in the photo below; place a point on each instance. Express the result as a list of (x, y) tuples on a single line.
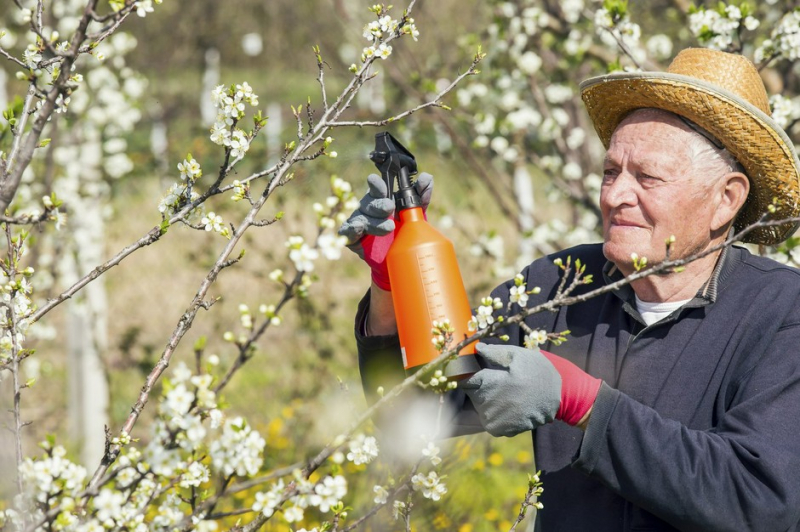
[(711, 138)]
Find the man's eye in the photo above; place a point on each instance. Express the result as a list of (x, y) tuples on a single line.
[(609, 174)]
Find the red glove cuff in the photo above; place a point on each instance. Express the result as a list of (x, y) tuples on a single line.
[(375, 249), (578, 389), (380, 276)]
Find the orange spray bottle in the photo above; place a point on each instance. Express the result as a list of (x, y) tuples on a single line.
[(426, 281)]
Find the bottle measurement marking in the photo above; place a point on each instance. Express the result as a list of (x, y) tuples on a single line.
[(430, 284)]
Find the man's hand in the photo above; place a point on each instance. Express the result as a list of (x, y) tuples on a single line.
[(370, 228), (522, 389)]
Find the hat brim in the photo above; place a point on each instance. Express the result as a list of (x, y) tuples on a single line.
[(749, 134)]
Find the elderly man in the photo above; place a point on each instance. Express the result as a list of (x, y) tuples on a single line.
[(677, 397)]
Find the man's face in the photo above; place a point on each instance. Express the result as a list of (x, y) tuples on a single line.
[(650, 192)]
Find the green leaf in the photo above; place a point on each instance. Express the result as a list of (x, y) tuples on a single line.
[(746, 9), (200, 344), (54, 199)]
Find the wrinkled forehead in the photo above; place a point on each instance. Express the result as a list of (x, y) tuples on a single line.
[(670, 122), (652, 136)]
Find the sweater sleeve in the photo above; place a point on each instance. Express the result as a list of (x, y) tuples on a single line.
[(744, 474), (379, 360)]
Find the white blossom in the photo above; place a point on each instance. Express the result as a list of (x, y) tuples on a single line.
[(238, 449), (195, 475), (518, 295), (177, 401), (751, 23), (784, 109), (52, 474), (143, 7), (31, 56), (524, 118), (431, 485), (602, 19), (372, 30), (107, 505), (301, 254), (571, 10), (293, 514), (659, 46), (220, 134), (363, 449), (535, 339), (576, 138), (212, 222), (383, 51), (190, 169), (529, 62), (328, 492), (381, 494), (238, 143), (572, 171), (398, 509), (485, 314), (431, 452), (169, 513), (557, 94)]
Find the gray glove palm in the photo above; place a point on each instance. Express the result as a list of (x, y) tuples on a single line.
[(518, 390)]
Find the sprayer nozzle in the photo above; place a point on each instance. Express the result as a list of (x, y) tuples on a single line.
[(378, 157)]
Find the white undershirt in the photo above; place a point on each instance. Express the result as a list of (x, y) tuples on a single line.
[(653, 312)]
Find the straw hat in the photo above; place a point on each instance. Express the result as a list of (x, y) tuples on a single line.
[(723, 94)]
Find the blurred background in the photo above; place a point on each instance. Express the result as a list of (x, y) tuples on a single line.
[(516, 169)]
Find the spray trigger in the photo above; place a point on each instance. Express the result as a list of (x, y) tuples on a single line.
[(396, 164)]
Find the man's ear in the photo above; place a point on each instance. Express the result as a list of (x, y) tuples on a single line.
[(733, 192)]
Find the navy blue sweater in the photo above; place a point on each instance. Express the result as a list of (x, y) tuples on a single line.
[(696, 425)]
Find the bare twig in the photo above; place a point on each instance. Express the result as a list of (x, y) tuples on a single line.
[(320, 78), (435, 102), (13, 59), (622, 46)]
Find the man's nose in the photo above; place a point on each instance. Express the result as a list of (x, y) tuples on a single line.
[(620, 191)]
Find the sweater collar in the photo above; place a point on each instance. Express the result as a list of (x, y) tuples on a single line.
[(705, 296)]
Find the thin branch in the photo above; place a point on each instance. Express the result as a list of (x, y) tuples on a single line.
[(623, 46), (320, 78), (435, 102), (26, 219), (102, 35), (18, 131), (152, 236), (11, 58)]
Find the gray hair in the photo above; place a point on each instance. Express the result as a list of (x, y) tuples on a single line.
[(708, 154)]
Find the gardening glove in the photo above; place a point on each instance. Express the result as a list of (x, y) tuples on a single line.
[(522, 389), (370, 228)]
